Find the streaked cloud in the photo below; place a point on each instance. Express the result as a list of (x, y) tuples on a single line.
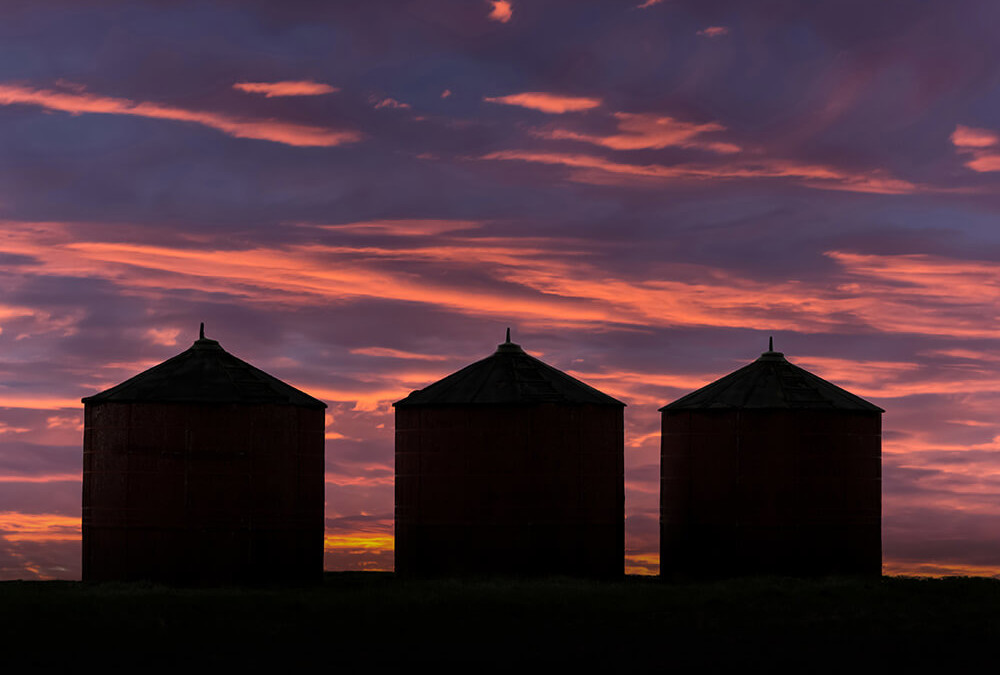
[(649, 3), (714, 31), (384, 352), (413, 227), (286, 88), (388, 103), (601, 171), (646, 131), (76, 103), (502, 11), (547, 102)]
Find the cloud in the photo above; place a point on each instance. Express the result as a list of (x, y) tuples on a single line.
[(978, 143), (552, 282), (286, 88), (546, 102), (388, 103), (714, 31), (288, 133), (649, 3), (646, 131), (968, 137), (601, 171), (384, 352), (411, 227), (502, 11)]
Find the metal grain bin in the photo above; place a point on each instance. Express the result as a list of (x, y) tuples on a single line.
[(770, 470), (203, 470), (509, 466)]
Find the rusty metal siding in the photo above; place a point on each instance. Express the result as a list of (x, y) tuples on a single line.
[(202, 493), (770, 491), (510, 489)]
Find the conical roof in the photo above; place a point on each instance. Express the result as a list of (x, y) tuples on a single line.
[(205, 373), (509, 375), (771, 382)]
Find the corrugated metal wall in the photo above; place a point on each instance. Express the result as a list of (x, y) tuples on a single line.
[(203, 493), (510, 489), (770, 491)]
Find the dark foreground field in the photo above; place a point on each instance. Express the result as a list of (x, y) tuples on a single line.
[(373, 619)]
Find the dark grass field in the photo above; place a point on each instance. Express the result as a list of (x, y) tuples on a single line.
[(367, 620)]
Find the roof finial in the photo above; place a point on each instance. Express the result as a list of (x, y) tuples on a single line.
[(201, 331), (770, 343), (508, 335)]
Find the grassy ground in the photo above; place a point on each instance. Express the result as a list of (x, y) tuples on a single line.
[(374, 618)]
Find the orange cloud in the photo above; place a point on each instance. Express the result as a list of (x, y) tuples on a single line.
[(15, 526), (552, 285), (975, 142), (546, 102), (163, 336), (286, 88), (595, 169), (48, 478), (911, 568), (359, 540), (413, 227), (714, 31), (288, 133), (502, 11), (7, 429), (645, 131), (386, 352), (968, 137)]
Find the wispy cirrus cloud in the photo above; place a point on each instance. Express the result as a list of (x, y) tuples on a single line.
[(639, 131), (649, 3), (554, 104), (409, 227), (599, 170), (983, 145), (549, 282), (77, 103), (286, 88), (501, 11)]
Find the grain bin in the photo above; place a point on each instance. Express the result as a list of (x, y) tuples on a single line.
[(509, 466), (770, 470), (203, 470)]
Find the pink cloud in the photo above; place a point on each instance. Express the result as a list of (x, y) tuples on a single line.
[(969, 137), (546, 102), (286, 88), (598, 170), (446, 93), (646, 131), (412, 227), (714, 31), (385, 352), (975, 143), (288, 133), (502, 11), (388, 103), (649, 3)]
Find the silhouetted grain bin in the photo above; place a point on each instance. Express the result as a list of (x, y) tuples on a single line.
[(509, 466), (203, 469), (771, 470)]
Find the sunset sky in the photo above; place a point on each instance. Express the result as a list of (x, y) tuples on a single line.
[(359, 197)]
